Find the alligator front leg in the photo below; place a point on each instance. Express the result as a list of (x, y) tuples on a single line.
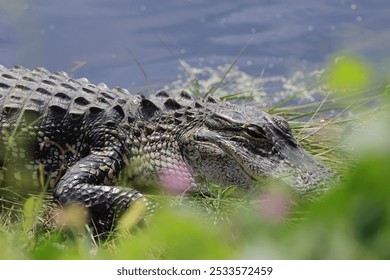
[(88, 183)]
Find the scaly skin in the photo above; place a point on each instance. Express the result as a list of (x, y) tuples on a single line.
[(84, 135)]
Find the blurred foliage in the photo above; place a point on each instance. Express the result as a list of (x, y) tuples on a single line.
[(350, 221), (347, 72)]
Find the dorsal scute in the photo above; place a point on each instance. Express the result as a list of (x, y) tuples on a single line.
[(162, 94), (172, 104), (211, 99), (148, 109), (185, 95)]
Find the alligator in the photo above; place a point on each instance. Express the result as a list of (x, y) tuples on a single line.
[(80, 136)]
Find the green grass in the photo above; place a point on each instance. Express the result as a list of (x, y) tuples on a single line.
[(349, 221)]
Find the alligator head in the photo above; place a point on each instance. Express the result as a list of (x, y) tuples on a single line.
[(226, 144), (238, 145)]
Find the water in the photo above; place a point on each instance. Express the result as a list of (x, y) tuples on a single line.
[(99, 39)]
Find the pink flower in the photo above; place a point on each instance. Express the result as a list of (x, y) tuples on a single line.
[(275, 204), (176, 180)]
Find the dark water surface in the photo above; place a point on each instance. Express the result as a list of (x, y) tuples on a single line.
[(94, 38)]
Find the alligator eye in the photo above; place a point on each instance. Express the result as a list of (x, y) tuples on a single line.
[(255, 132), (283, 125)]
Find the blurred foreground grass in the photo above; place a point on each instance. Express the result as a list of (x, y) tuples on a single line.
[(348, 129)]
